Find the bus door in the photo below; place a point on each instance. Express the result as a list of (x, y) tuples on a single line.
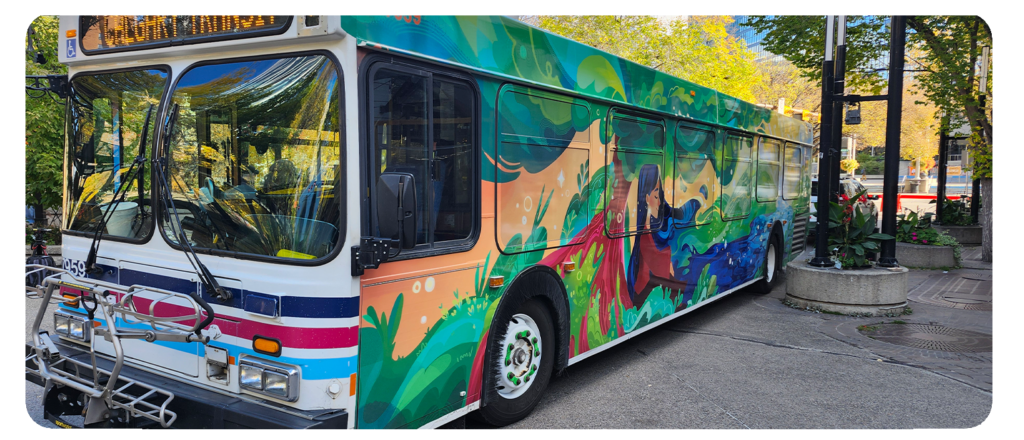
[(422, 314)]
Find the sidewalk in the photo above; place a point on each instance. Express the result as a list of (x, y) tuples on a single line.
[(949, 332)]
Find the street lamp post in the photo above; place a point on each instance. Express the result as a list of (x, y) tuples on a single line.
[(940, 192), (838, 103), (821, 255)]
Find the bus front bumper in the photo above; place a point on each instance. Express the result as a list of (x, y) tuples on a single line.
[(197, 408)]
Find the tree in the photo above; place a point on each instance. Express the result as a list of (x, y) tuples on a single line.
[(943, 52), (781, 79), (44, 125), (918, 131), (697, 49), (700, 50), (638, 38)]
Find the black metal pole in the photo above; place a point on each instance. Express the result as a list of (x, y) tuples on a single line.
[(975, 198), (838, 90), (821, 255), (976, 184), (893, 119), (940, 192)]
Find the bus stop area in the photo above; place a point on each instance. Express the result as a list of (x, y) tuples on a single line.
[(751, 361)]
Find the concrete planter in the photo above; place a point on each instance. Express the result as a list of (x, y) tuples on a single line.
[(874, 291), (924, 256), (965, 235)]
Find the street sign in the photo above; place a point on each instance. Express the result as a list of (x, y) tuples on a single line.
[(954, 170)]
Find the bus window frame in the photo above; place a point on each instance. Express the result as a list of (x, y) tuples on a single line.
[(716, 149), (343, 147), (368, 67), (750, 160), (513, 87), (182, 40), (620, 111), (761, 140), (800, 166), (152, 151)]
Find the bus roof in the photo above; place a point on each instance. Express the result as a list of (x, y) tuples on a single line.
[(511, 49)]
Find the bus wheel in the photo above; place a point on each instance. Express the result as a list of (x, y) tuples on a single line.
[(772, 267), (523, 366)]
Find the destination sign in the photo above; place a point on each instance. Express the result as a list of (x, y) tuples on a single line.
[(121, 32)]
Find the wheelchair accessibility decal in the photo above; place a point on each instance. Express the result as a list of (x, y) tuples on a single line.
[(71, 48)]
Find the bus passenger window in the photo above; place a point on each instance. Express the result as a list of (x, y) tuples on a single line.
[(737, 177), (768, 170), (637, 151), (793, 165), (696, 184), (543, 152)]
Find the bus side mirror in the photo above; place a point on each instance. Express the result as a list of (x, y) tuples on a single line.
[(396, 208)]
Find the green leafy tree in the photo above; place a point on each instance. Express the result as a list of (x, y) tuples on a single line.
[(44, 124), (942, 52), (781, 79), (697, 49), (918, 130), (638, 38), (700, 50)]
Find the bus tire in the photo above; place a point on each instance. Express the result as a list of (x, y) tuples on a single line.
[(518, 377), (772, 267)]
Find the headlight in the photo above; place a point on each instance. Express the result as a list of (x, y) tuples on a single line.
[(71, 325), (269, 378), (60, 324), (277, 384), (251, 377), (77, 329)]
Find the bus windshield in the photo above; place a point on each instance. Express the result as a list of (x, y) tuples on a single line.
[(104, 127), (255, 157)]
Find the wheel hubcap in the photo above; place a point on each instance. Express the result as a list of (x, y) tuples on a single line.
[(521, 360), (771, 263)]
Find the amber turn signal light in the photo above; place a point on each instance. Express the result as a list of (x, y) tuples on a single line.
[(496, 281), (265, 345)]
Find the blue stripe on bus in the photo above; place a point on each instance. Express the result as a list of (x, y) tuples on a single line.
[(292, 306), (312, 369)]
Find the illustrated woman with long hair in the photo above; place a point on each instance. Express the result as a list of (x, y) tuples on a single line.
[(651, 258)]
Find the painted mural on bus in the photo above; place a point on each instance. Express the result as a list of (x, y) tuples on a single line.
[(634, 202)]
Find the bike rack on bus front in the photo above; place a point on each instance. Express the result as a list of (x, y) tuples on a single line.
[(107, 391)]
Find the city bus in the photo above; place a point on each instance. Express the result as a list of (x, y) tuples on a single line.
[(384, 222)]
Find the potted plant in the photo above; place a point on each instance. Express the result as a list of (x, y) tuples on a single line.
[(851, 235), (915, 229), (957, 221), (956, 212)]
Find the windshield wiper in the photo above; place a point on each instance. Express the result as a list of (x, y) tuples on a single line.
[(209, 282), (132, 174)]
